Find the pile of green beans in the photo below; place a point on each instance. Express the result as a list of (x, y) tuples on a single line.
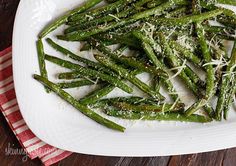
[(167, 41)]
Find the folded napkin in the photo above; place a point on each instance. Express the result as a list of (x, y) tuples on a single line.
[(32, 145)]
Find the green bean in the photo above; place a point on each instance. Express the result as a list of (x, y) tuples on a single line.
[(210, 81), (187, 19), (85, 47), (149, 108), (61, 20), (154, 3), (76, 26), (193, 76), (228, 12), (132, 62), (226, 33), (227, 2), (82, 35), (227, 21), (108, 18), (151, 55), (189, 55), (41, 60), (94, 96), (227, 37), (140, 3), (89, 72), (196, 106), (221, 99), (151, 28), (225, 82), (158, 2), (156, 116), (149, 45), (119, 39), (167, 83), (75, 84), (135, 100), (143, 67), (157, 10), (178, 12), (219, 29), (83, 109), (229, 98), (186, 53), (96, 22), (81, 17), (76, 57), (111, 1), (157, 83), (147, 40), (206, 56), (175, 62), (190, 82), (228, 18), (130, 77), (70, 75)]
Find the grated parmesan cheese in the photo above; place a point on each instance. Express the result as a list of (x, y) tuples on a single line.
[(117, 19), (179, 68)]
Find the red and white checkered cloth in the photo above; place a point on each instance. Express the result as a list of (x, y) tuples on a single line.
[(9, 107)]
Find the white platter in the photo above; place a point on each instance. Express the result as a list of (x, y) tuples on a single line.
[(60, 125)]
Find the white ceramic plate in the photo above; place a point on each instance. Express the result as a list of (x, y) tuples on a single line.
[(60, 125)]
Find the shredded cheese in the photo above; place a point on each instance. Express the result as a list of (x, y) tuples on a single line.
[(173, 106), (184, 41), (179, 68), (163, 108), (117, 19), (89, 17)]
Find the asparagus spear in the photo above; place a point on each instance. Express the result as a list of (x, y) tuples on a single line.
[(85, 110)]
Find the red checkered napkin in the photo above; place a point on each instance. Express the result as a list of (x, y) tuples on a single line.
[(33, 146)]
